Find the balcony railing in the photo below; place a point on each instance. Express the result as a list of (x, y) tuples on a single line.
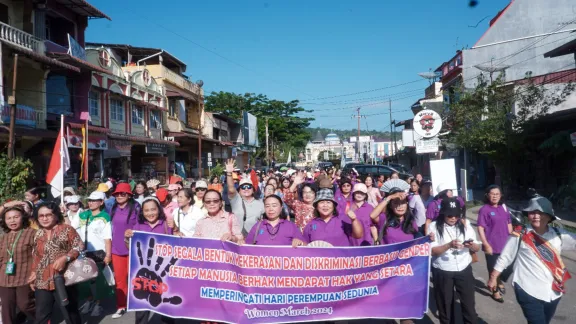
[(20, 38), (180, 81)]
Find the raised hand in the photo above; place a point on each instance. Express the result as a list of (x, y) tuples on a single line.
[(230, 165)]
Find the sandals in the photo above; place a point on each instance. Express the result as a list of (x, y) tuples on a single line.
[(500, 299), (502, 290)]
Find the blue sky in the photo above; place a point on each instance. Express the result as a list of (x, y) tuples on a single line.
[(305, 49)]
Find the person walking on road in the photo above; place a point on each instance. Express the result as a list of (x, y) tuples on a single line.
[(494, 227), (275, 228), (539, 273), (244, 205), (452, 263)]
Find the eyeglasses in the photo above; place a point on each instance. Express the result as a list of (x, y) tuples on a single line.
[(246, 187), (121, 194), (452, 216), (201, 189), (46, 215), (210, 202)]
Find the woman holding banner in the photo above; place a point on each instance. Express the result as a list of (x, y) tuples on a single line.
[(362, 209), (218, 224), (151, 219), (452, 262), (274, 228), (328, 225)]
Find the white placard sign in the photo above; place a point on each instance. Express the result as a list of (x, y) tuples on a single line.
[(443, 172), (427, 145), (427, 123)]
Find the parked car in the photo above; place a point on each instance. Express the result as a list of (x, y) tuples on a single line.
[(325, 165), (375, 170), (400, 168)]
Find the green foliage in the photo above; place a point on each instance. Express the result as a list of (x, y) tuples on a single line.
[(284, 126), (14, 176), (217, 170)]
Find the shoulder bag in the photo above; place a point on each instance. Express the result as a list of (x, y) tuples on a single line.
[(99, 255), (80, 270)]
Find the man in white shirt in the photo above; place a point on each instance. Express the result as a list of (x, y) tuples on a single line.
[(452, 263)]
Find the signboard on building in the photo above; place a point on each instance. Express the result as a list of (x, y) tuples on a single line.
[(427, 123), (427, 145), (156, 148), (76, 49), (95, 142), (25, 116)]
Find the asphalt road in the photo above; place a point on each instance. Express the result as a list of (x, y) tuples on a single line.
[(488, 310)]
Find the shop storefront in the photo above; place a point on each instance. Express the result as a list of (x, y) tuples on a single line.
[(117, 159)]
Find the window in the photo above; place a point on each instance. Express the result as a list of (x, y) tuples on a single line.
[(116, 110), (59, 90), (172, 108), (224, 135), (94, 103), (137, 115), (155, 120), (104, 58), (215, 133)]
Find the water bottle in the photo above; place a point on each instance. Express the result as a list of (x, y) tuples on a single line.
[(61, 290)]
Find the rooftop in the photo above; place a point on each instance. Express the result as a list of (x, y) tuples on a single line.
[(139, 53), (83, 8)]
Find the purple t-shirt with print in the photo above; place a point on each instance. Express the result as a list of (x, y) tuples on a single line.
[(363, 216), (394, 234), (159, 228), (283, 234), (335, 231), (495, 222)]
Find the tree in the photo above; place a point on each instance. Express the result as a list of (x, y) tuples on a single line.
[(284, 126), (483, 119), (14, 176)]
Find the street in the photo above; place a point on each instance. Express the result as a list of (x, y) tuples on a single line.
[(489, 311)]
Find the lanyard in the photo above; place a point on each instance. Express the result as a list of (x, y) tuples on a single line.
[(11, 252)]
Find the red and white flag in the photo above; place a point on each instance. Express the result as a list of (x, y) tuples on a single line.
[(59, 164)]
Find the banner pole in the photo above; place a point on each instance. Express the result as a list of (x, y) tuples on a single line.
[(62, 158)]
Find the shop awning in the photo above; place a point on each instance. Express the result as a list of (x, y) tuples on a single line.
[(83, 8), (180, 135), (91, 128), (73, 60), (226, 143), (41, 58), (142, 139), (148, 104)]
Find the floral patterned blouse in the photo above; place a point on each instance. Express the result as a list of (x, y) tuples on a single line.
[(63, 241), (304, 213)]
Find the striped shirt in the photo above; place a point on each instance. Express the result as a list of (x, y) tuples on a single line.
[(22, 257)]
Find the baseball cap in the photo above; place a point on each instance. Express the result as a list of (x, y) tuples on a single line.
[(97, 195), (72, 199), (201, 184), (360, 187), (450, 207), (103, 187), (162, 194)]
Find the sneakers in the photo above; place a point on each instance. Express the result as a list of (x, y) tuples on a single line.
[(97, 311), (87, 307), (119, 313)]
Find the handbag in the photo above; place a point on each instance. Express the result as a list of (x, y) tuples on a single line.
[(99, 255), (80, 270)]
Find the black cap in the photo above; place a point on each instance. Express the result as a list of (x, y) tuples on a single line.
[(450, 207)]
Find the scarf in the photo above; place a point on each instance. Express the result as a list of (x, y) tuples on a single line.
[(550, 257)]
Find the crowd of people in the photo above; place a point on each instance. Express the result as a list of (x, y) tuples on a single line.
[(283, 208)]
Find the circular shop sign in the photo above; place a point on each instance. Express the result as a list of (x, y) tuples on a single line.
[(427, 123)]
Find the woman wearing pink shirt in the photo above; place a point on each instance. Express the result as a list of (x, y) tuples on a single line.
[(374, 195), (218, 223)]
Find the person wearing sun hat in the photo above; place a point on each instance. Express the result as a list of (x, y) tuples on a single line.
[(73, 209), (123, 215), (247, 209), (201, 188), (535, 252), (328, 225)]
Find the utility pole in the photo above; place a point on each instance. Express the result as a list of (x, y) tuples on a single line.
[(199, 140), (267, 149), (358, 116), (392, 137), (12, 102)]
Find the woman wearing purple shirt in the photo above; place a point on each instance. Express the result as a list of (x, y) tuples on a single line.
[(274, 228), (151, 219), (362, 209), (328, 225), (123, 216), (494, 227), (343, 195)]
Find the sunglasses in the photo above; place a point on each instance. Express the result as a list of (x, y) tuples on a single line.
[(121, 194), (246, 187), (210, 202), (452, 216), (201, 189)]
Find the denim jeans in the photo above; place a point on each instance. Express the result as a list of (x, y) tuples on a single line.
[(535, 310)]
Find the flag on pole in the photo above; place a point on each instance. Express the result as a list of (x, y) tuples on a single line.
[(84, 169), (59, 164)]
